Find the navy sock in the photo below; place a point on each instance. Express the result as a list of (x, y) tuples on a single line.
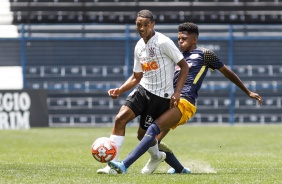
[(143, 145), (173, 162)]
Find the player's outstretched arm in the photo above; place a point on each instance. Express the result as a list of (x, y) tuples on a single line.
[(237, 81), (131, 82)]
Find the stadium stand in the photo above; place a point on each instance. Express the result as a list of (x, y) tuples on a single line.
[(73, 101), (123, 11), (79, 61), (77, 64)]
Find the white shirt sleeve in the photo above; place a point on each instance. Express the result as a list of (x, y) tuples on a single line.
[(137, 67), (172, 51)]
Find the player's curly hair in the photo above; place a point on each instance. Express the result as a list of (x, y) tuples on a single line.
[(146, 14), (189, 27)]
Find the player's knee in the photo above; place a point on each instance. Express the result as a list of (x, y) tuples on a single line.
[(120, 122), (123, 117)]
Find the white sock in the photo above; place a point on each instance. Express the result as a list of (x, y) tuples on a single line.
[(154, 152), (118, 141)]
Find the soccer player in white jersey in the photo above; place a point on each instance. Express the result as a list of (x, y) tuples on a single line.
[(199, 61), (155, 57)]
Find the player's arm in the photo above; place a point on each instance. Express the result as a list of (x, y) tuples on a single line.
[(131, 82), (184, 69), (236, 80)]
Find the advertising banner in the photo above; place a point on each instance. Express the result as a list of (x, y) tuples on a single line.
[(22, 109)]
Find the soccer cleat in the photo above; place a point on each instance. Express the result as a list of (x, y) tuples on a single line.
[(106, 170), (185, 171), (152, 164), (117, 166)]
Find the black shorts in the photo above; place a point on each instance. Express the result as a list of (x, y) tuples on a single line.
[(147, 105)]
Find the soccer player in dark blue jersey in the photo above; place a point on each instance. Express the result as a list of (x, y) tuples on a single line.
[(199, 60)]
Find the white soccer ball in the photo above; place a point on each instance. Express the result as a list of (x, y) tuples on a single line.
[(103, 149)]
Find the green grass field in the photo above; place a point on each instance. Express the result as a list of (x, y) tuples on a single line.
[(215, 154)]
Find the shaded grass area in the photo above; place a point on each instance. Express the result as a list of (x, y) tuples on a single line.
[(215, 154)]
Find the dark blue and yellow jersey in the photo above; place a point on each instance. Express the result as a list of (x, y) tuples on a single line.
[(199, 61)]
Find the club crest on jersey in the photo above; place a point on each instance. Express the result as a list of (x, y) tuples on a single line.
[(152, 52)]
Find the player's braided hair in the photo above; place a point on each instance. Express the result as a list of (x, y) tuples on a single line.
[(190, 27), (146, 14)]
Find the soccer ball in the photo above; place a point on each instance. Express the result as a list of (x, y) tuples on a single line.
[(103, 149)]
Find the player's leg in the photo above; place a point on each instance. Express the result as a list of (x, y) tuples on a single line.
[(170, 117), (187, 110), (124, 116), (170, 159), (133, 106), (153, 150), (153, 162), (176, 166), (156, 156), (118, 132), (140, 133), (156, 108)]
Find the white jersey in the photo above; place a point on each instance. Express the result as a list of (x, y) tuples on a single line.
[(157, 60)]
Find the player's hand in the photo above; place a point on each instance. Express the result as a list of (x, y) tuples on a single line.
[(174, 100), (114, 93), (257, 97)]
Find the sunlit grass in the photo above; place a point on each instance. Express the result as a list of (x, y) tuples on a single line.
[(215, 154)]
